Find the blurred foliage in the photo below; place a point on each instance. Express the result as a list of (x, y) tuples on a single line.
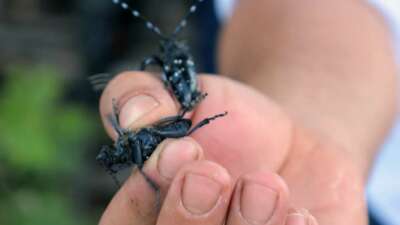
[(42, 139), (35, 208), (39, 132)]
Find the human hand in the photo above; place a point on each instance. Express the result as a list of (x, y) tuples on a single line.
[(319, 174)]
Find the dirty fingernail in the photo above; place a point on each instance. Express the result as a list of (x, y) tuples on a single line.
[(257, 202), (174, 155), (200, 194), (296, 219), (135, 108)]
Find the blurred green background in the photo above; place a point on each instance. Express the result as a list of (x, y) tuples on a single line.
[(50, 131), (42, 145)]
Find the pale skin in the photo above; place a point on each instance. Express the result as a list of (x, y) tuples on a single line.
[(315, 98)]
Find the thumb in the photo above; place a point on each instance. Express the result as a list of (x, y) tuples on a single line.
[(141, 99)]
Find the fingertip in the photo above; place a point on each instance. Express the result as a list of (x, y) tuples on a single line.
[(171, 155), (266, 191), (269, 179), (199, 194), (207, 169), (260, 197), (211, 169)]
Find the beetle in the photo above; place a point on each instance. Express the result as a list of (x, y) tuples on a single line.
[(133, 148), (178, 71)]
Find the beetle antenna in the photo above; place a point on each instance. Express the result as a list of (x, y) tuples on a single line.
[(205, 122), (135, 13), (183, 22)]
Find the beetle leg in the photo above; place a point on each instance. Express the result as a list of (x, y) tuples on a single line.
[(169, 119), (153, 60), (137, 156), (138, 160), (115, 178), (183, 112), (100, 81), (205, 122), (104, 159), (164, 79), (114, 118), (170, 133), (153, 186), (200, 97)]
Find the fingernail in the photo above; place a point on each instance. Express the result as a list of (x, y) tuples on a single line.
[(135, 108), (174, 155), (257, 202), (200, 194), (296, 219)]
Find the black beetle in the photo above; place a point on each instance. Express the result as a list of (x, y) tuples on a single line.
[(133, 148), (178, 69)]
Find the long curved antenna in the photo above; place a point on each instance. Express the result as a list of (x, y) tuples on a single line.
[(183, 22), (135, 13), (205, 122)]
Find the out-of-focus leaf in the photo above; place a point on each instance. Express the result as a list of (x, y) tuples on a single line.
[(41, 140), (37, 132), (32, 208)]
